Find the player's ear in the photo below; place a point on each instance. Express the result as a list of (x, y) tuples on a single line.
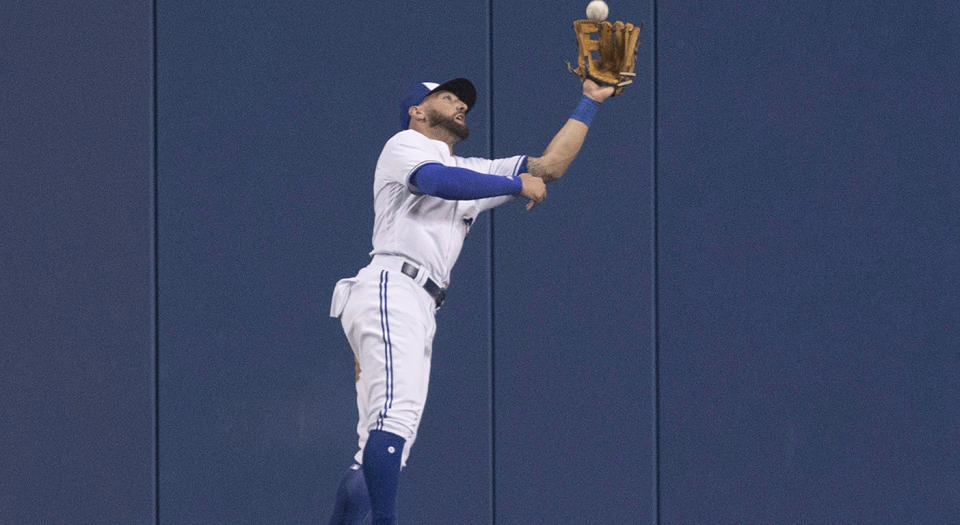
[(416, 113)]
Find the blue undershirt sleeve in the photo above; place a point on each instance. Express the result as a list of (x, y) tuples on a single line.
[(452, 183)]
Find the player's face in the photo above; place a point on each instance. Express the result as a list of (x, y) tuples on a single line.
[(445, 110)]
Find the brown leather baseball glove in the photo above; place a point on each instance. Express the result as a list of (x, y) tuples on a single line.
[(606, 53)]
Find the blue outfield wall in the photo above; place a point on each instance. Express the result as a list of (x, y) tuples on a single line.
[(809, 217), (76, 263), (738, 306), (572, 286)]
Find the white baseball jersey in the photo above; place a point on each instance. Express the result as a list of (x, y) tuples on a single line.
[(388, 317), (425, 229)]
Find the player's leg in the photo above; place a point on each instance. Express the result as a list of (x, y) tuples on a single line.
[(381, 460), (353, 502), (391, 343)]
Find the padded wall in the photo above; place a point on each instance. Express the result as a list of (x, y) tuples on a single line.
[(572, 281), (809, 176), (76, 263)]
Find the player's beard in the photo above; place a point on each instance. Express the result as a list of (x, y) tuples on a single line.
[(457, 129)]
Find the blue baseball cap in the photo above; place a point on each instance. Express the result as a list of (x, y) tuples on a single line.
[(460, 87)]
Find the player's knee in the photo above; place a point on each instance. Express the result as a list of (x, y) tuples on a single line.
[(402, 423), (402, 419)]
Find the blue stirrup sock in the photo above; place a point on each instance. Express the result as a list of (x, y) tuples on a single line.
[(353, 502), (585, 110), (381, 470)]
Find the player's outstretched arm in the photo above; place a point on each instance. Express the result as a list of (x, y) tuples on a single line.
[(565, 145), (453, 183)]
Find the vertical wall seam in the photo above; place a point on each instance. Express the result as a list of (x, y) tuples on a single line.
[(156, 281), (492, 279), (655, 268)]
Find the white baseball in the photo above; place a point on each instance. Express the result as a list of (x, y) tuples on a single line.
[(597, 10)]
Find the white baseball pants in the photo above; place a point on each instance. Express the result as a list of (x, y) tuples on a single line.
[(389, 321)]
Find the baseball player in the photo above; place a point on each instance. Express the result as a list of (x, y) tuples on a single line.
[(425, 200)]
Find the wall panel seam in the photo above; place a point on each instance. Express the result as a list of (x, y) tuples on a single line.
[(655, 268), (156, 275), (492, 280)]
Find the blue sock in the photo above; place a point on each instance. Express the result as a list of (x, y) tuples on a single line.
[(353, 502), (381, 470)]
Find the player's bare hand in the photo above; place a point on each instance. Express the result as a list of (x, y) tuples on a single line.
[(533, 188), (596, 91)]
